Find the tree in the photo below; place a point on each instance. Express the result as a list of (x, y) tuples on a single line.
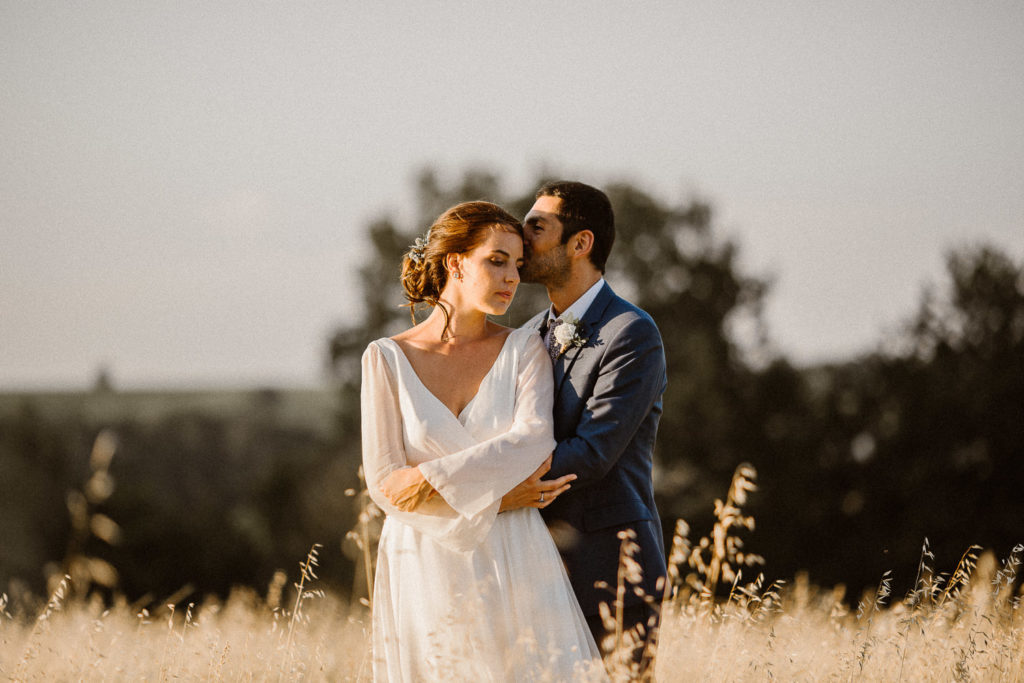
[(667, 260), (922, 438), (858, 460)]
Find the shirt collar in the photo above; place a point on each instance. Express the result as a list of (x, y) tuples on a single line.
[(578, 308)]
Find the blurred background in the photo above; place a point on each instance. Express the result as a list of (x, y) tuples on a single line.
[(203, 206)]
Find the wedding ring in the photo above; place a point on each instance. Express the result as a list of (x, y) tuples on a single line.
[(542, 496)]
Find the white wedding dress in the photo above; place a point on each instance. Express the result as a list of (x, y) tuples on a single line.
[(463, 593)]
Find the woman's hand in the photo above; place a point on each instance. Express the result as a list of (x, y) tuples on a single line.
[(407, 488), (536, 492)]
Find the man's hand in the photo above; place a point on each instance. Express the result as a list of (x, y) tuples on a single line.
[(536, 492), (407, 488)]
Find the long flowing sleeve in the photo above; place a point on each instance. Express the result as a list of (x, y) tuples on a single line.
[(473, 479), (384, 452), (471, 476), (381, 423)]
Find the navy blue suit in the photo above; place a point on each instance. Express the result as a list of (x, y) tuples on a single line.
[(606, 411)]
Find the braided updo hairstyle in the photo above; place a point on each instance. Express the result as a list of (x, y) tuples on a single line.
[(458, 230)]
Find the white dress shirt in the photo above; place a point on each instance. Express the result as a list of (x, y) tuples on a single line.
[(579, 307)]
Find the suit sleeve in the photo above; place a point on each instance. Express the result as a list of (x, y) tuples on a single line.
[(630, 380)]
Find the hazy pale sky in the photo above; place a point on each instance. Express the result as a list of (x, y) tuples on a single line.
[(184, 186)]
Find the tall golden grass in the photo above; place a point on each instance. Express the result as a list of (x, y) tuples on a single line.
[(965, 625)]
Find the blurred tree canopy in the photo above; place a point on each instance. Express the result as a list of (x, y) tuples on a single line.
[(924, 437), (858, 460), (204, 502)]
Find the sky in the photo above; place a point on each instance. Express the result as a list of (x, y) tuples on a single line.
[(184, 187)]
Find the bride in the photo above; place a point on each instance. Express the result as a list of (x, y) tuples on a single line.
[(456, 411)]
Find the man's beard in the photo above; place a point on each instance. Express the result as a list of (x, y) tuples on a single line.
[(551, 269)]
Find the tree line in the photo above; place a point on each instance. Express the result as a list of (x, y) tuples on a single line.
[(858, 460)]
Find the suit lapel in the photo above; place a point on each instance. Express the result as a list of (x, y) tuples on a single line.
[(588, 329), (563, 364), (537, 323)]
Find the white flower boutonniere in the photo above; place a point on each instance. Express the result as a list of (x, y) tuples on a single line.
[(568, 335)]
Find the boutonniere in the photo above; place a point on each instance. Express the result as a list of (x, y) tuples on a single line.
[(569, 334)]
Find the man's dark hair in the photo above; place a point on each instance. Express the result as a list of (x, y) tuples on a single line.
[(584, 208)]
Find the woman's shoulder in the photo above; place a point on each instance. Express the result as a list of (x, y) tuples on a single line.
[(523, 339), (509, 333), (519, 337), (380, 350), (379, 345)]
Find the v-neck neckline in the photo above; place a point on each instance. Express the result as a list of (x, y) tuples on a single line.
[(490, 370)]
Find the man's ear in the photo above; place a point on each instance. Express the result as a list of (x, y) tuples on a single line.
[(581, 243)]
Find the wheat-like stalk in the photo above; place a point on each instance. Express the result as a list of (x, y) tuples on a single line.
[(765, 631), (361, 535), (962, 626), (307, 575)]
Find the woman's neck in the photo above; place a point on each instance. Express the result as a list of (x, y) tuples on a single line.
[(464, 325)]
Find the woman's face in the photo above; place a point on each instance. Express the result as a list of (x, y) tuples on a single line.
[(490, 273)]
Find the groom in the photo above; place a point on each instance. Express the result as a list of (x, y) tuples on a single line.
[(609, 372)]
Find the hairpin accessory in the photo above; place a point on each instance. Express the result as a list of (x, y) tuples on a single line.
[(418, 250)]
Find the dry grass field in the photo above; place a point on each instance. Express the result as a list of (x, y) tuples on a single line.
[(965, 624), (972, 633)]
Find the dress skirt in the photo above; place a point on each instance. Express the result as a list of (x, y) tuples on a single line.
[(504, 611)]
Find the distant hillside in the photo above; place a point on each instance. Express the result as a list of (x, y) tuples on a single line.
[(307, 409)]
